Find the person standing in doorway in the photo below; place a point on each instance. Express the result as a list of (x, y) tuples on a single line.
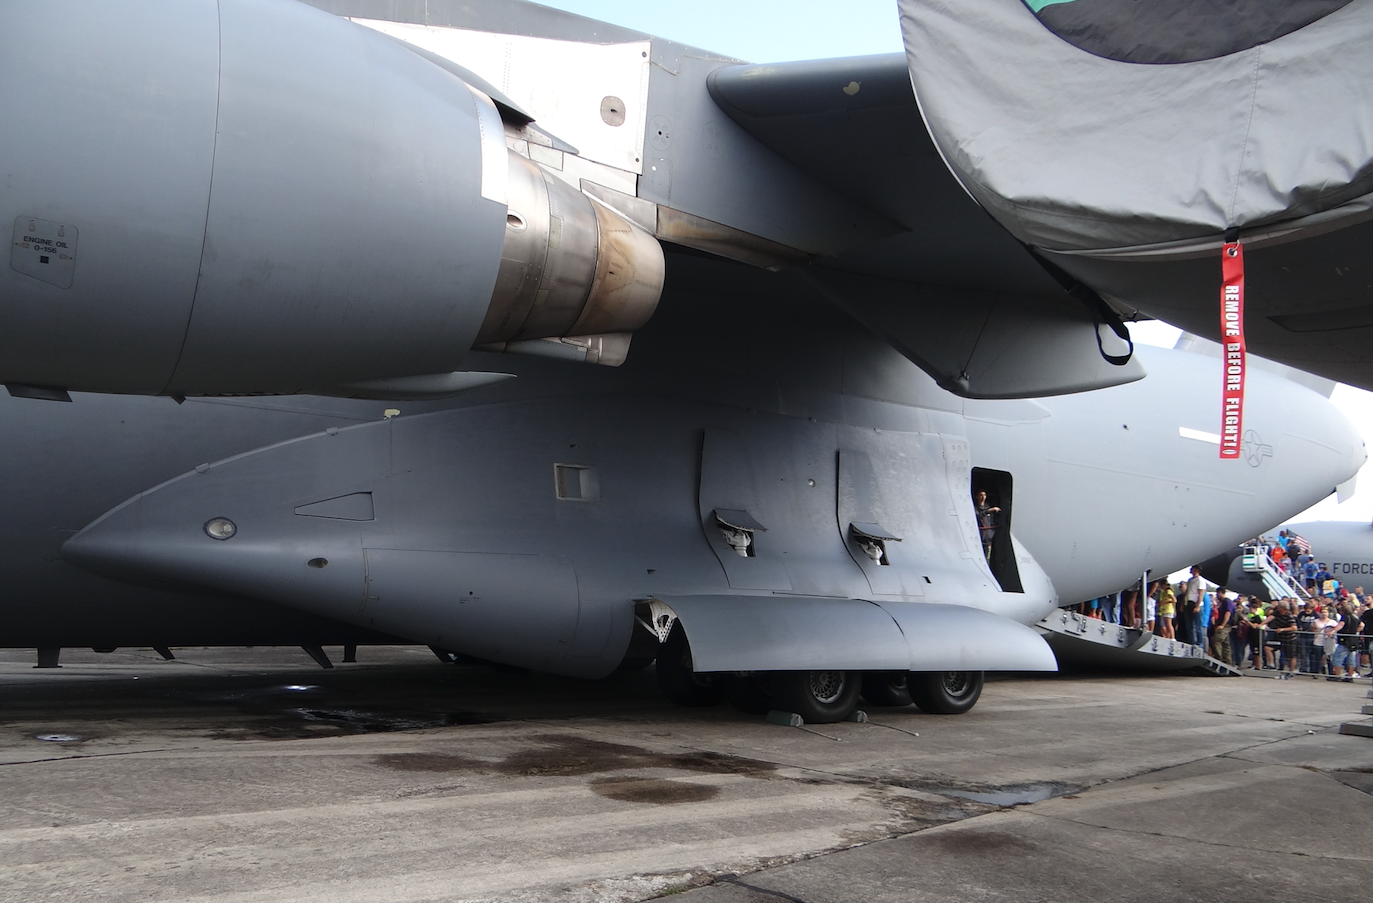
[(986, 521)]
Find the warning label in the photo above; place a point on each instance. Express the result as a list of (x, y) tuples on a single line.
[(44, 250)]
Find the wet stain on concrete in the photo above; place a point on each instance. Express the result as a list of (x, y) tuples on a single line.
[(652, 790), (980, 843), (563, 755), (926, 814), (1004, 795), (434, 762), (303, 723)]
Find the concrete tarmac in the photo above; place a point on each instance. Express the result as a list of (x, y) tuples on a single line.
[(251, 774)]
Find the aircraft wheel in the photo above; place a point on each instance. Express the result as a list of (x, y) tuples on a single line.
[(945, 692), (751, 693), (820, 697), (679, 682), (886, 688)]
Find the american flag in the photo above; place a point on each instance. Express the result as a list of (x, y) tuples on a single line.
[(1295, 541)]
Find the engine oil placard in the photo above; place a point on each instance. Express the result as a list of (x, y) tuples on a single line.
[(44, 250)]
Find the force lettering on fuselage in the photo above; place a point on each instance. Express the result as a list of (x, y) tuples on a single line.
[(1351, 567)]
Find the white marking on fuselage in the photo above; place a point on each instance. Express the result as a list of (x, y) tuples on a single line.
[(1200, 435)]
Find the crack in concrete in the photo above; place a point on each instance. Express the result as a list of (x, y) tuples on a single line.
[(108, 755), (738, 882)]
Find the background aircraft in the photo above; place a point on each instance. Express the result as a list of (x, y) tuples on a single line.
[(764, 481), (1344, 547)]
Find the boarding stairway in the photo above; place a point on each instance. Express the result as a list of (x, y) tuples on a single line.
[(1079, 640), (1280, 585)]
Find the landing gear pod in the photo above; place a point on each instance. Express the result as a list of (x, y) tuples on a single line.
[(254, 196)]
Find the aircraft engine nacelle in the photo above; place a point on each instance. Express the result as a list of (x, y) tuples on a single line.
[(254, 196)]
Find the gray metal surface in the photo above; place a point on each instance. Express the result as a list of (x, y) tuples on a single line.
[(790, 360), (134, 180), (957, 638), (1147, 154), (983, 344), (779, 633), (269, 199), (520, 521), (871, 145), (1083, 642), (1128, 176), (476, 477), (341, 190), (1345, 547)]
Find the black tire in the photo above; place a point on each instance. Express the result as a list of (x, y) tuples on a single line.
[(886, 688), (819, 697), (945, 692), (750, 693), (681, 684)]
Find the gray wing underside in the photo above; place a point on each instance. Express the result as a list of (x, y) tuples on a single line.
[(825, 169)]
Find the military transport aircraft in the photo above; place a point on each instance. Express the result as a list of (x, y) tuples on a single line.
[(1343, 548), (682, 359)]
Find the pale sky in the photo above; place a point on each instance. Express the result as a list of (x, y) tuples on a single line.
[(759, 31), (770, 31)]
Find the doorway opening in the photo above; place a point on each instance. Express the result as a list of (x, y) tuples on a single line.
[(995, 526)]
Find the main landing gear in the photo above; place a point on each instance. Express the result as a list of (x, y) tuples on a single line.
[(819, 697)]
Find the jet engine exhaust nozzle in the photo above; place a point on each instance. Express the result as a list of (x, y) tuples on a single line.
[(570, 266)]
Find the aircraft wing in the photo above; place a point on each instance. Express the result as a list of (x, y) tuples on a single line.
[(824, 168)]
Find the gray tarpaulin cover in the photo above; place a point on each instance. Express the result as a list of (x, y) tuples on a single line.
[(1078, 149)]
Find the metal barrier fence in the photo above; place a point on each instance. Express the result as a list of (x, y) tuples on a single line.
[(1314, 652)]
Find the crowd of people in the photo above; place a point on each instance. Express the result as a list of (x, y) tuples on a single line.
[(1327, 632)]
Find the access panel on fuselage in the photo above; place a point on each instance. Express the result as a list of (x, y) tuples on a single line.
[(916, 486), (728, 485), (861, 505)]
